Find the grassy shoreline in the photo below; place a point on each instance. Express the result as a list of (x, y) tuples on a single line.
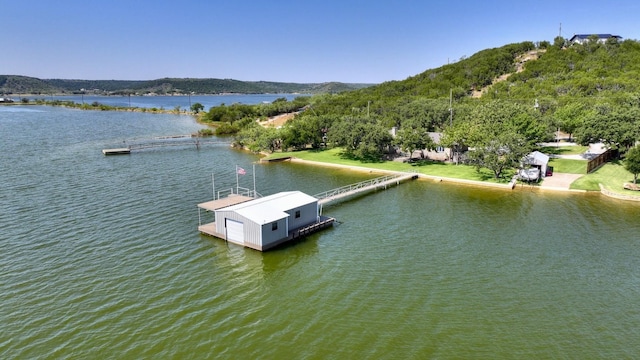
[(612, 176)]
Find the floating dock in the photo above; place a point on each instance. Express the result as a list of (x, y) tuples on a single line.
[(164, 141), (118, 151)]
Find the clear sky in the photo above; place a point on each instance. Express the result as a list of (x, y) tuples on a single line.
[(303, 41)]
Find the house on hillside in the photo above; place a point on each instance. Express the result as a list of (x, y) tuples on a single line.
[(602, 38)]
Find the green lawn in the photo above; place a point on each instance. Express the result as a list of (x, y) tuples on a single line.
[(568, 166), (612, 176), (564, 150), (434, 168)]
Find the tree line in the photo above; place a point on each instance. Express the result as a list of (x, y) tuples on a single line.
[(586, 90), (13, 84)]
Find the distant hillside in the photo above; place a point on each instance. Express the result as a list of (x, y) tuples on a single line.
[(15, 84), (526, 72)]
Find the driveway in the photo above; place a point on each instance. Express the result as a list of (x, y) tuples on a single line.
[(559, 181)]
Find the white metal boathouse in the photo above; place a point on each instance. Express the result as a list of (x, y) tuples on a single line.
[(266, 222)]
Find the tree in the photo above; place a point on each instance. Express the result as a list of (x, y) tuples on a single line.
[(363, 138), (197, 107), (616, 126), (500, 153), (501, 133), (306, 129), (632, 162), (570, 117), (411, 139)]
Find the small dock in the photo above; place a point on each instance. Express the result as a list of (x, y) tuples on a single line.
[(118, 151), (368, 185), (164, 141)]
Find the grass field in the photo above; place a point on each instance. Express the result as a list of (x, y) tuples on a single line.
[(433, 168), (564, 150), (612, 176), (568, 166)]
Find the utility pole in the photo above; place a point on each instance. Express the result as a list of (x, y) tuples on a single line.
[(450, 107)]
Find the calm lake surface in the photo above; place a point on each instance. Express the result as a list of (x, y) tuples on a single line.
[(101, 258), (166, 102)]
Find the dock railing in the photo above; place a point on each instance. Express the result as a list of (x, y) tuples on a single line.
[(354, 188), (238, 191)]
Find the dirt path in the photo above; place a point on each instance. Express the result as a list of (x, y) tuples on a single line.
[(520, 62), (278, 120)]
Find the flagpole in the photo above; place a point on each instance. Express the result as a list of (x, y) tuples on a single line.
[(213, 185), (237, 186), (254, 181)]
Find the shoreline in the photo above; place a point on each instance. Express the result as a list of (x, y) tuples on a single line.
[(474, 183), (434, 178)]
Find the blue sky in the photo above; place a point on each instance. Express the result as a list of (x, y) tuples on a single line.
[(286, 41)]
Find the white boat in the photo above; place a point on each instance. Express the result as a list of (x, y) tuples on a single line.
[(532, 174)]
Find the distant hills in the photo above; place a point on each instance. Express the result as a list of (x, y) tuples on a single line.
[(16, 84)]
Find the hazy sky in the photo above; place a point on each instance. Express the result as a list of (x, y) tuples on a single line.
[(300, 41)]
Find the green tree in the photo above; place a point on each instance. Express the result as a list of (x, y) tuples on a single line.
[(501, 133), (412, 138), (197, 107), (305, 130), (363, 138), (616, 126), (499, 153), (570, 117), (632, 162)]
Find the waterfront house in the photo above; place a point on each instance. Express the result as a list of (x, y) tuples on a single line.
[(266, 222)]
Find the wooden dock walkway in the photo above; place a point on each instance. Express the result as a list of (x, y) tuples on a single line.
[(363, 186), (164, 141)]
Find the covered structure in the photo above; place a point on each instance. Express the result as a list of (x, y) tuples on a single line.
[(266, 222), (532, 162)]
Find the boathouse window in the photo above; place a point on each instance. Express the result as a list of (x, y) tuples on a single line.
[(297, 214), (274, 226)]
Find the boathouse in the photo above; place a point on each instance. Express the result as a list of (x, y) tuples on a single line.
[(265, 222)]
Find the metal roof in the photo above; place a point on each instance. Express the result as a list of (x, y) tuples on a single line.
[(600, 36), (271, 208), (537, 158)]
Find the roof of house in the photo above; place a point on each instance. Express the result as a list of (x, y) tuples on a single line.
[(600, 36), (271, 208), (537, 158)]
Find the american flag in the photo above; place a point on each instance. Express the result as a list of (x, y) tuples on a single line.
[(240, 171)]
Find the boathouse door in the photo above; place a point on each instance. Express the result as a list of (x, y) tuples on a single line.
[(235, 231)]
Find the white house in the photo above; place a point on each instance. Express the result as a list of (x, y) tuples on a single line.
[(582, 38), (266, 222)]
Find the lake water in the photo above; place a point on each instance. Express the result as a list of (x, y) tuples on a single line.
[(166, 102), (101, 258)]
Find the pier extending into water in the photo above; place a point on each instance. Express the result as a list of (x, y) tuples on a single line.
[(164, 141), (363, 186)]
